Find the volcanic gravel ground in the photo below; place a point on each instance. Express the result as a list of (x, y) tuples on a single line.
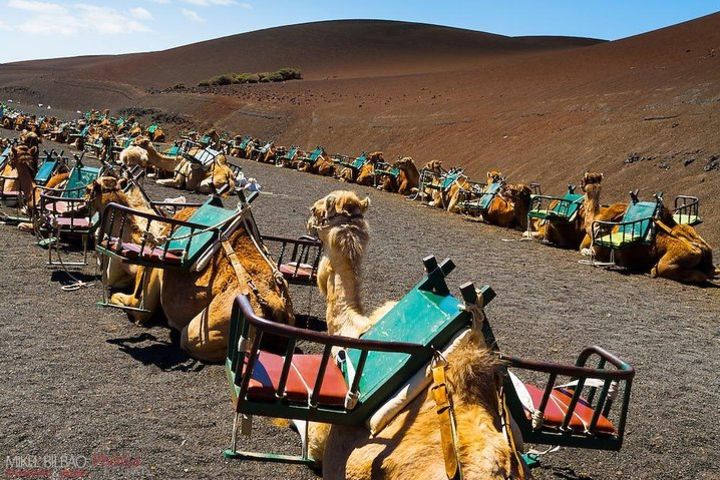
[(82, 380)]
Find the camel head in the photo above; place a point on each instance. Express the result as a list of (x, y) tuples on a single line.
[(493, 176), (105, 190), (339, 221), (31, 139), (142, 142), (434, 166), (590, 179), (22, 156), (375, 157), (405, 163)]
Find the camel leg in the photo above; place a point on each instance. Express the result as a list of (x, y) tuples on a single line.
[(145, 295), (175, 182), (682, 269), (205, 337)]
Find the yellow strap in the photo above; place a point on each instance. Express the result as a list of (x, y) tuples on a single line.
[(242, 275), (507, 422), (448, 437)]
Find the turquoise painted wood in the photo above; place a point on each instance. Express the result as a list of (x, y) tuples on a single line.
[(4, 156), (80, 177), (173, 151), (489, 193), (206, 156), (315, 154), (422, 317), (244, 143), (152, 128), (209, 214), (641, 215), (45, 172)]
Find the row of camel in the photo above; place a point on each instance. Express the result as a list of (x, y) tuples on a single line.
[(199, 305), (677, 251)]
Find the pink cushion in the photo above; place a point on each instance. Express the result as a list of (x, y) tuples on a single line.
[(557, 407), (301, 379)]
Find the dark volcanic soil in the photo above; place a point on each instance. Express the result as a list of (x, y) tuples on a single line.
[(84, 381)]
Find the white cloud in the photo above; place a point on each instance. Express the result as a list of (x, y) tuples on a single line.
[(164, 2), (54, 19), (140, 13), (39, 7), (191, 15), (207, 3), (5, 27), (246, 6)]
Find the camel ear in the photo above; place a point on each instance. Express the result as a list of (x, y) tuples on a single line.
[(365, 204), (122, 183), (33, 151), (330, 204)]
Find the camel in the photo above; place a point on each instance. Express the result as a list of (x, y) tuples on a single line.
[(366, 174), (677, 251), (213, 137), (322, 166), (142, 152), (406, 181), (591, 185), (119, 274), (268, 156), (409, 446), (199, 304), (510, 207)]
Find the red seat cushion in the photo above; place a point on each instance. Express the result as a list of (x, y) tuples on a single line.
[(293, 270), (73, 222), (301, 379), (557, 407), (133, 250)]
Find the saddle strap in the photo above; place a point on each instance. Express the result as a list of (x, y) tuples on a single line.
[(243, 275), (506, 421), (240, 272), (446, 416)]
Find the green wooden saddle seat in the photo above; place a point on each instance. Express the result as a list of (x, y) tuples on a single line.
[(79, 178), (4, 157), (687, 219), (205, 157), (244, 142), (387, 169), (189, 246), (47, 169), (635, 227), (375, 366), (152, 129), (565, 208), (173, 151)]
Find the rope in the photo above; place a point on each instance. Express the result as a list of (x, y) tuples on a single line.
[(77, 283)]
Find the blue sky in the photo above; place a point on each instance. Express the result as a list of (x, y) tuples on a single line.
[(55, 28)]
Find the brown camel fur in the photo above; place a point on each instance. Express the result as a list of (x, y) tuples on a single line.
[(366, 174), (409, 446), (510, 207), (199, 304), (133, 155), (104, 190), (322, 166), (407, 180), (591, 185)]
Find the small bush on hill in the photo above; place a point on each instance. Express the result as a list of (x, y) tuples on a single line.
[(280, 75)]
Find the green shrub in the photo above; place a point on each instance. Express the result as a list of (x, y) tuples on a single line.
[(289, 73), (281, 75), (224, 79)]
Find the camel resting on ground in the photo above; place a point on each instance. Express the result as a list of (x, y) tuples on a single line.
[(410, 443), (199, 304)]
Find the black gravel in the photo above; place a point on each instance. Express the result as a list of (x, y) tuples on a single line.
[(81, 380)]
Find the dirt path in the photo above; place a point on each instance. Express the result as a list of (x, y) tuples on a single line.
[(81, 380)]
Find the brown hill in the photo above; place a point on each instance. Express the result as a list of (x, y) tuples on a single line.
[(643, 110)]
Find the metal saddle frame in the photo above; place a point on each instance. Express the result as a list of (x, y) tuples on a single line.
[(316, 388), (64, 213), (637, 227)]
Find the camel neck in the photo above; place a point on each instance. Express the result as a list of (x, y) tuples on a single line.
[(592, 205), (345, 313)]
